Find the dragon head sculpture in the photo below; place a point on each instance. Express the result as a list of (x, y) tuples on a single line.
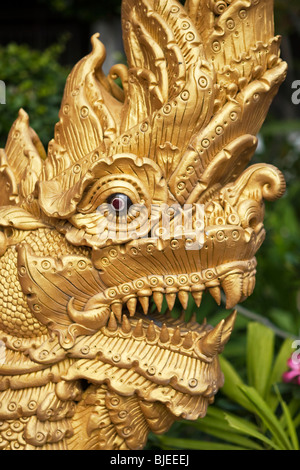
[(84, 244)]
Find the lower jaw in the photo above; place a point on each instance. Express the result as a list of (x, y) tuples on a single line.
[(160, 362)]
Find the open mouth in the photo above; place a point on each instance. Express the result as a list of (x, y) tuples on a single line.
[(136, 306), (135, 309)]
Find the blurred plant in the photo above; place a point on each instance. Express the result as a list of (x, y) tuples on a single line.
[(34, 81), (277, 291), (251, 416), (87, 10)]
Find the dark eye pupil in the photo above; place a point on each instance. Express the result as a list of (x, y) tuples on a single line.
[(119, 202)]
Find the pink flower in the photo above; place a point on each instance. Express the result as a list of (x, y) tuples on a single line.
[(293, 375)]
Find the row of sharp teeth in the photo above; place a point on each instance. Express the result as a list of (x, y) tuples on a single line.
[(236, 288), (158, 298), (172, 335), (207, 342)]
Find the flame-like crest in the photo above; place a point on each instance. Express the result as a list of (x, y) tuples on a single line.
[(196, 91)]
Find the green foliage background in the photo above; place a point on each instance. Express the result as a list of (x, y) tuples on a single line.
[(35, 81)]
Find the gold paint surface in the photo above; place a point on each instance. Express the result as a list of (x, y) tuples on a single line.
[(89, 360)]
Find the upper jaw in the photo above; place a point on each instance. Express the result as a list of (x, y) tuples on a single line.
[(237, 279), (165, 267)]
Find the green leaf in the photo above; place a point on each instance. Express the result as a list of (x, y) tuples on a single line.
[(297, 421), (279, 367), (294, 406), (217, 425), (177, 443), (231, 387), (247, 428), (260, 352), (289, 422), (264, 412)]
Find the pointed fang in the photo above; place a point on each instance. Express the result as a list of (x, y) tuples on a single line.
[(164, 334), (112, 323), (176, 338), (211, 343), (138, 331), (233, 289), (197, 296), (126, 326), (227, 330), (158, 298), (144, 301), (151, 333), (131, 305), (117, 310), (215, 292), (183, 297), (188, 341), (170, 298)]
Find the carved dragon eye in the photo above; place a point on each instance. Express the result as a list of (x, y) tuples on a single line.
[(120, 202)]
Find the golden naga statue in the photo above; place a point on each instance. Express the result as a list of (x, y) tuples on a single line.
[(87, 361)]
